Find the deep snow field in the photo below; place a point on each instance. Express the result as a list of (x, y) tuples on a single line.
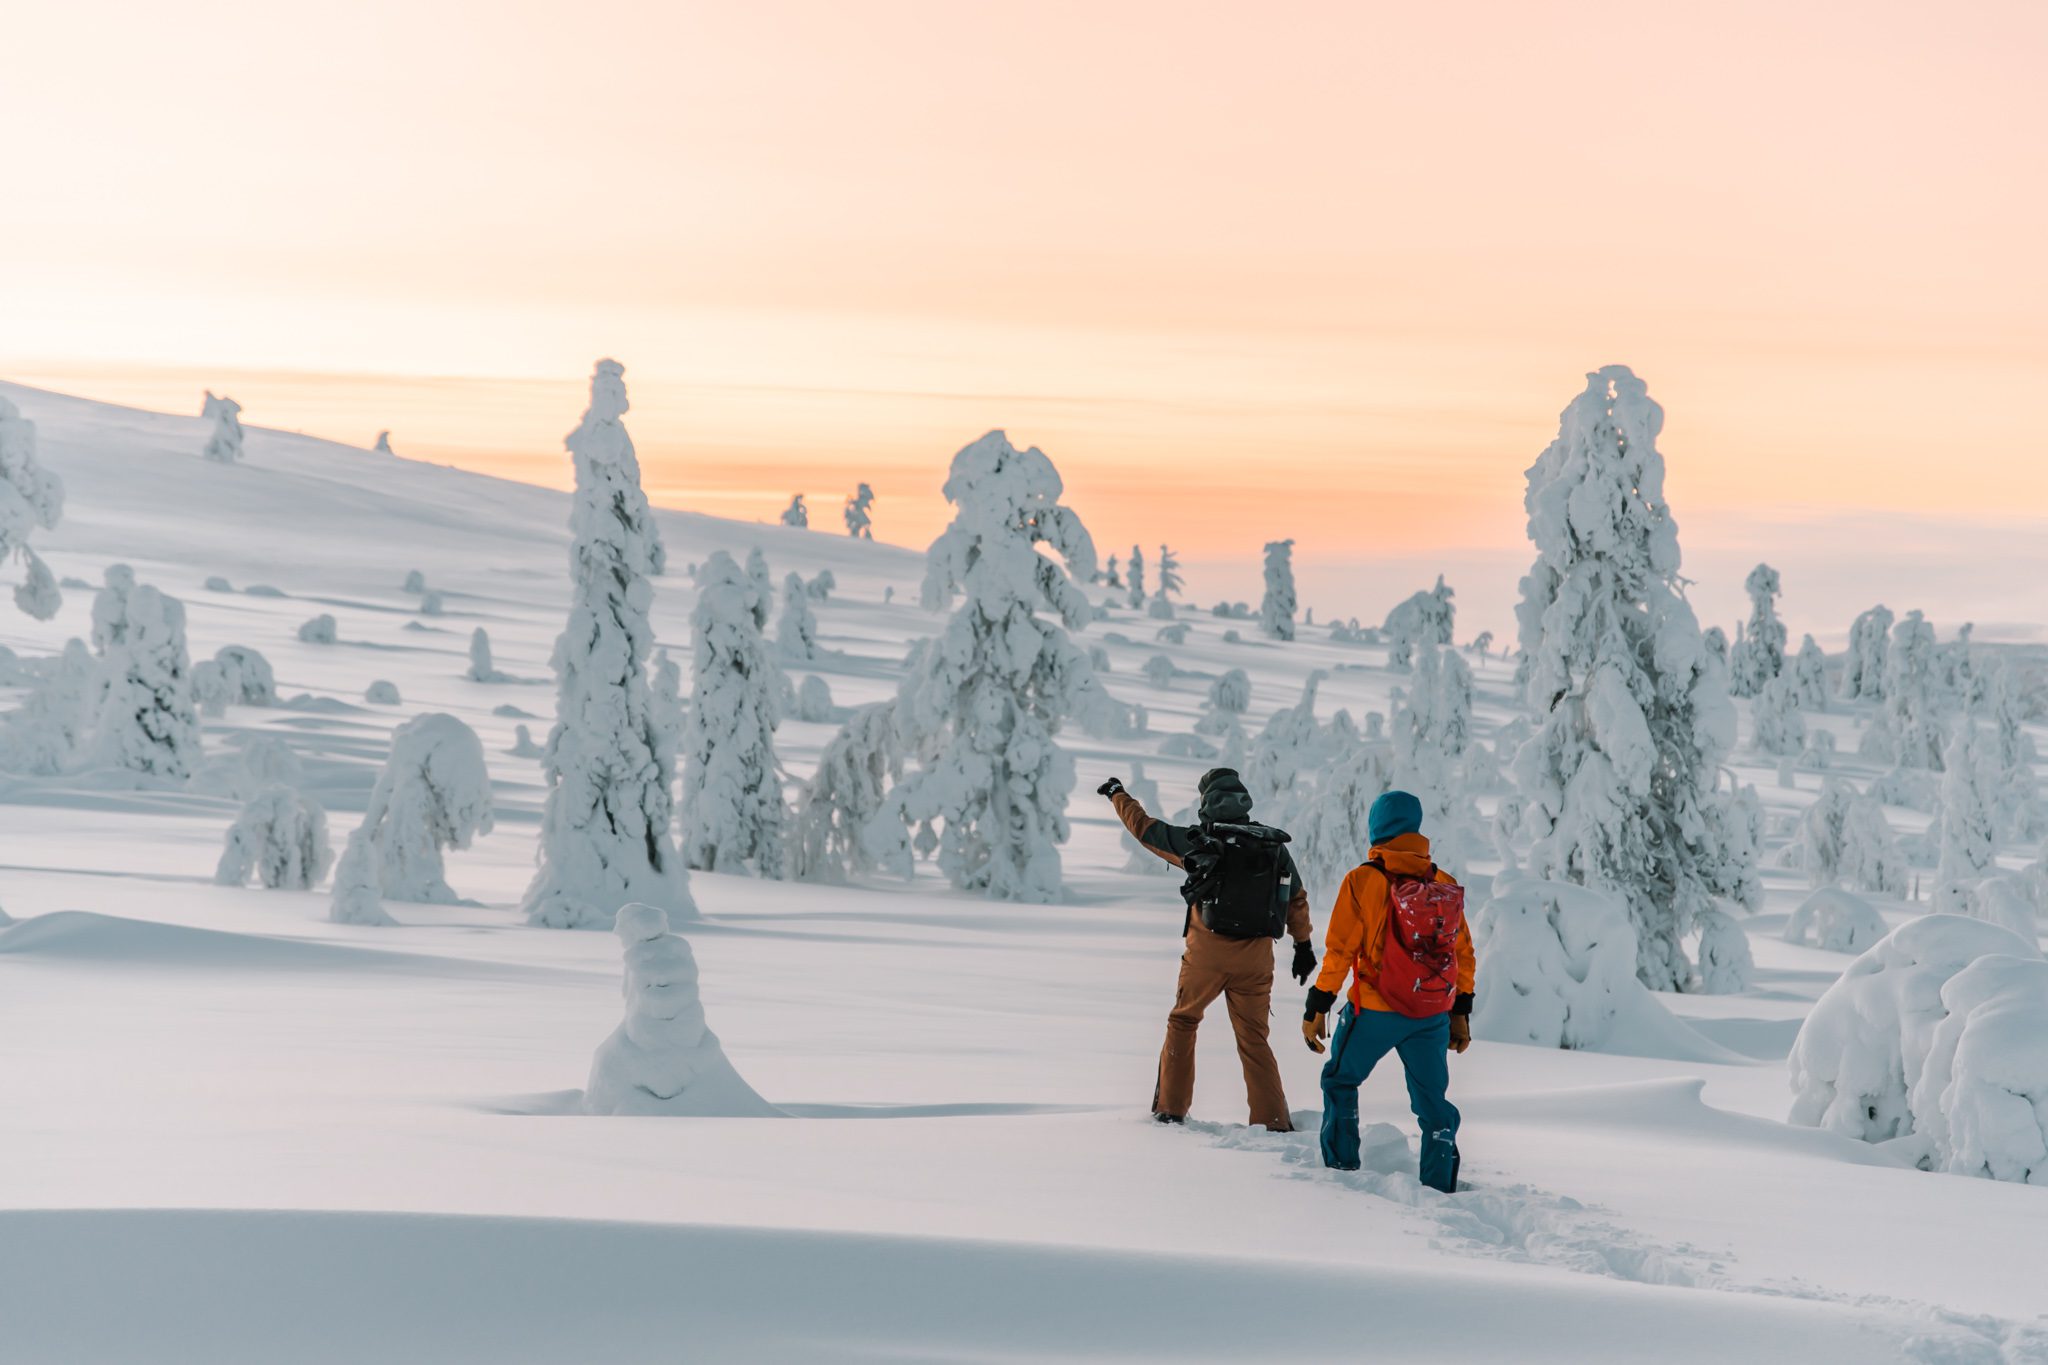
[(231, 1130)]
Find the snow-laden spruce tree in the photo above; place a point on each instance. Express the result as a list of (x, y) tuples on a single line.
[(1810, 676), (31, 497), (732, 813), (433, 793), (1715, 639), (224, 442), (383, 446), (796, 514), (1110, 576), (280, 836), (605, 828), (764, 585), (1171, 584), (1431, 730), (1426, 618), (1969, 822), (1843, 838), (663, 1060), (1276, 607), (52, 727), (1780, 729), (1911, 722), (2018, 790), (1761, 655), (147, 722), (796, 630), (1134, 576), (1562, 964), (860, 524), (482, 668), (981, 707), (1619, 781), (1863, 667), (847, 790)]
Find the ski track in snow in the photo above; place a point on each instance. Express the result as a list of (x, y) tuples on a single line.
[(1522, 1223)]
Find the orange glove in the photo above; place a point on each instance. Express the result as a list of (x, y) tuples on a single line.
[(1461, 1032), (1314, 1029)]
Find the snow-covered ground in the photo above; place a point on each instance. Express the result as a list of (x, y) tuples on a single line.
[(235, 1131)]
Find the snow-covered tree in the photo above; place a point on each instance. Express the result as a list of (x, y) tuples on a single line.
[(415, 581), (1969, 825), (147, 723), (482, 668), (320, 630), (433, 793), (1836, 920), (1727, 966), (663, 1060), (983, 705), (224, 442), (814, 700), (31, 497), (1276, 607), (1863, 667), (1716, 641), (1981, 1102), (1911, 721), (1780, 729), (1431, 729), (52, 727), (358, 894), (605, 836), (733, 814), (383, 446), (764, 585), (1761, 656), (1110, 575), (796, 631), (849, 788), (859, 523), (1810, 676), (821, 587), (1843, 838), (1134, 576), (1426, 618), (1620, 780), (796, 514), (281, 836), (1560, 962), (1170, 581)]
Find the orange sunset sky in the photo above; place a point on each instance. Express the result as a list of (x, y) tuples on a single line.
[(1244, 271)]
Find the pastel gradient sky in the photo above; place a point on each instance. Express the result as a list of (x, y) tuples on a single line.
[(1315, 270)]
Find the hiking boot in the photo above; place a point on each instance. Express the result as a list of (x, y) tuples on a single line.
[(1169, 1118)]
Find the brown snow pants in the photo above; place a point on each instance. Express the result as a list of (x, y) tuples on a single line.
[(1241, 971)]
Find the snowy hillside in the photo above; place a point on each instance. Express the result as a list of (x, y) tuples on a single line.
[(236, 1130)]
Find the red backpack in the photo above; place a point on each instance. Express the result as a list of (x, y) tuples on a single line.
[(1419, 963)]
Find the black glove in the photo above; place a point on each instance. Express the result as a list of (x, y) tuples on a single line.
[(1111, 787), (1304, 962), (1319, 1002)]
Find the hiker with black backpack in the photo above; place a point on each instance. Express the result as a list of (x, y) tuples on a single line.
[(1398, 931), (1242, 892)]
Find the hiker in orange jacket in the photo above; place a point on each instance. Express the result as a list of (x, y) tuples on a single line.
[(1370, 1026), (1238, 968)]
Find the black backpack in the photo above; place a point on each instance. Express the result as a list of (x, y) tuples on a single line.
[(1236, 875)]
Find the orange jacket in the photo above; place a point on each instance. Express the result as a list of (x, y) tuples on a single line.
[(1358, 925)]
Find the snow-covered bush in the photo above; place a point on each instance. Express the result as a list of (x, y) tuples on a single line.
[(796, 630), (147, 723), (796, 514), (433, 793), (821, 587), (1102, 716), (1981, 1102), (1863, 667), (281, 836), (1276, 607), (358, 896), (860, 524), (1159, 609), (224, 442), (1726, 964), (814, 700), (1560, 963), (1844, 837), (31, 497), (663, 1059), (1620, 781), (1810, 676), (1175, 634), (984, 704), (1761, 655), (1969, 828), (1836, 920), (52, 726), (318, 631), (1134, 577), (1159, 671), (848, 789), (216, 583), (432, 604), (415, 581), (1780, 729), (1426, 619), (732, 812), (1863, 1046), (383, 692), (482, 668), (605, 836)]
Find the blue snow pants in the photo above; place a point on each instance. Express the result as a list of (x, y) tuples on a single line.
[(1365, 1036)]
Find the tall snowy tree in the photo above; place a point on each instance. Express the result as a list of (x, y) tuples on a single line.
[(1863, 667), (482, 668), (764, 585), (983, 704), (1276, 608), (1911, 720), (1110, 575), (224, 442), (1135, 576), (1761, 655), (1426, 619), (433, 794), (281, 836), (1810, 676), (2019, 791), (1968, 825), (605, 837), (1780, 729), (859, 523), (30, 497), (1170, 581), (52, 727), (1633, 716), (1431, 730), (796, 631), (848, 789), (732, 786), (147, 722), (796, 514)]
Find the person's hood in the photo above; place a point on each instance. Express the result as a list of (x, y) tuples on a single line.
[(1224, 797)]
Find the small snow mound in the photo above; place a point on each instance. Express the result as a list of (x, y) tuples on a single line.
[(663, 1059), (1982, 1099), (1837, 920), (318, 631)]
